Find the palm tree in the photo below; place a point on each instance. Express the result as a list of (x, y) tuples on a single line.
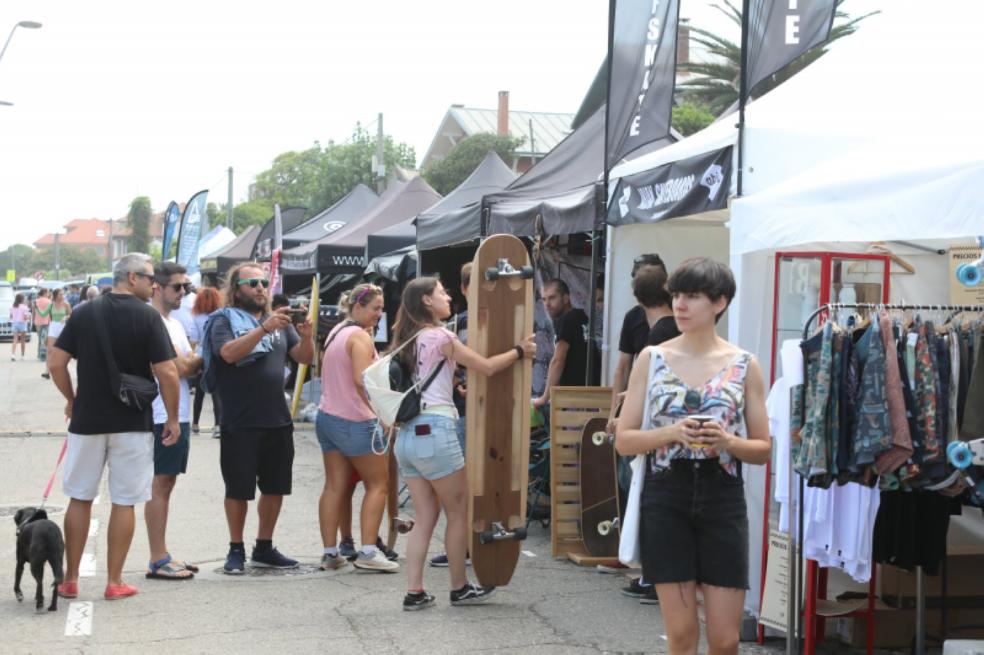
[(717, 86)]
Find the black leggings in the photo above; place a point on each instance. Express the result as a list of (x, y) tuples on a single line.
[(200, 399)]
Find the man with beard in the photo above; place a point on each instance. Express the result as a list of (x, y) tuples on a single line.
[(247, 346), (570, 359), (170, 286)]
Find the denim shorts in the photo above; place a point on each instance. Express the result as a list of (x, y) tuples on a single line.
[(19, 327), (351, 438), (431, 456), (462, 428), (694, 525)]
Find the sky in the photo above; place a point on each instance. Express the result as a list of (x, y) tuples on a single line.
[(112, 99)]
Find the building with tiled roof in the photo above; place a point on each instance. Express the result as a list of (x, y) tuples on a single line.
[(540, 131), (94, 234)]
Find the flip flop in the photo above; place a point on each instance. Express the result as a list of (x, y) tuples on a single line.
[(165, 569), (185, 565)]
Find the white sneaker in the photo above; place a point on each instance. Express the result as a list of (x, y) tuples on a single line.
[(375, 562)]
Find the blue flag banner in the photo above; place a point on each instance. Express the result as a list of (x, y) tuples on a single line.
[(194, 225), (171, 218)]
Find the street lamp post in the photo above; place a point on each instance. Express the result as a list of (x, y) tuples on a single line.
[(27, 24)]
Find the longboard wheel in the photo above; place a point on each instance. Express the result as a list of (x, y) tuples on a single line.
[(485, 537), (526, 272), (599, 438), (959, 454), (519, 534), (605, 528), (492, 274)]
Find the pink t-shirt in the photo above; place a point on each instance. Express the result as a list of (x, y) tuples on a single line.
[(429, 345), (42, 304), (339, 395), (19, 313)]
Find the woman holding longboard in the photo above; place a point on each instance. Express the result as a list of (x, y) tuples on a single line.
[(427, 447), (695, 409)]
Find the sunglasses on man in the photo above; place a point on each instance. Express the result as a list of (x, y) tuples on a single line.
[(254, 281), (179, 286)]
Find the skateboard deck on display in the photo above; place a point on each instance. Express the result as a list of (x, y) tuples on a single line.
[(599, 490), (500, 315)]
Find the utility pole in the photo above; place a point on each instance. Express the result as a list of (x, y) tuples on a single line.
[(380, 154), (109, 250), (57, 258), (229, 202)]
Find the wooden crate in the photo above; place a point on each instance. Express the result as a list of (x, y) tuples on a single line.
[(570, 409)]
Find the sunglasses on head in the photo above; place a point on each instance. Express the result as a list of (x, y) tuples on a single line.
[(253, 281), (179, 286)]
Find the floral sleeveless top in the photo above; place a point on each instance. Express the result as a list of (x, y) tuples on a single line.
[(669, 400)]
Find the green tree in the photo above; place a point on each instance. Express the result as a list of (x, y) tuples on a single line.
[(138, 219), (447, 173), (689, 118), (74, 261), (317, 177), (214, 214), (717, 86), (251, 212), (18, 257)]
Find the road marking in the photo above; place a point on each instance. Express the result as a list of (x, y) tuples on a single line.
[(93, 527), (529, 553), (95, 501), (78, 623), (87, 567)]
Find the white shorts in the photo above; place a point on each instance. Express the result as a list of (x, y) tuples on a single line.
[(55, 329), (130, 456)]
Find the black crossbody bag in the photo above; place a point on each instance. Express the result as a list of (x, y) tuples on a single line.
[(134, 391)]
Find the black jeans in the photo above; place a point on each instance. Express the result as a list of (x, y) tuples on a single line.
[(200, 399)]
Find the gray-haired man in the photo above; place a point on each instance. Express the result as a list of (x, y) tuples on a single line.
[(103, 430)]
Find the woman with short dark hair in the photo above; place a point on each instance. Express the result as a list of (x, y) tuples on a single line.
[(695, 409)]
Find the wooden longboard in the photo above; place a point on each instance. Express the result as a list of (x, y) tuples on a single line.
[(500, 315), (599, 490)]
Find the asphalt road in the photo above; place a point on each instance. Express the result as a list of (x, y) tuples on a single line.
[(550, 606)]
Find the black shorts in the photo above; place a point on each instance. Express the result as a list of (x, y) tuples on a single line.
[(261, 457), (694, 526)]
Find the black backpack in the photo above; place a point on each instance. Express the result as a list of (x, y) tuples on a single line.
[(401, 379)]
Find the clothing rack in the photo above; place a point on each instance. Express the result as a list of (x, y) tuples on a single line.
[(817, 580)]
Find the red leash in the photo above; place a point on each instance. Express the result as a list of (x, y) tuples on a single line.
[(51, 481)]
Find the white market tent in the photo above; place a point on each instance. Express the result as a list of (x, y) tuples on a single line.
[(876, 141)]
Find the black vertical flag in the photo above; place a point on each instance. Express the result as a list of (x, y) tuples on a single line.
[(779, 31), (642, 74)]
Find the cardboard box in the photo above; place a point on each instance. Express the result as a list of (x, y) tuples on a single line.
[(965, 578), (896, 628)]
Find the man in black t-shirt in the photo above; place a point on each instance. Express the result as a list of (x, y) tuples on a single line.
[(103, 431), (249, 348), (569, 362)]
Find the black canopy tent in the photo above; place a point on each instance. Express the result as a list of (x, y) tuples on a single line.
[(289, 219), (458, 217), (343, 251), (564, 190), (351, 206), (398, 266), (238, 250)]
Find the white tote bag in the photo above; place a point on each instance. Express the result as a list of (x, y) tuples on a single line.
[(384, 400), (629, 550)]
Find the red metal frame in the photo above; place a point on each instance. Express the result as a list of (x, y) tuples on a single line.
[(816, 577)]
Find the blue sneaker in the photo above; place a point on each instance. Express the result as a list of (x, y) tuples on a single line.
[(271, 558), (439, 561), (346, 548), (235, 563)]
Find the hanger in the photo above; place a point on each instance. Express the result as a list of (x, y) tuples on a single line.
[(879, 248)]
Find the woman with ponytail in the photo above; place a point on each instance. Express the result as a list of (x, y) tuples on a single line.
[(345, 427), (427, 447)]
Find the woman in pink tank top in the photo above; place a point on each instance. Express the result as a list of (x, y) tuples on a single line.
[(345, 427)]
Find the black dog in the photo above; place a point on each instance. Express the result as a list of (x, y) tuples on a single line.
[(38, 541)]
